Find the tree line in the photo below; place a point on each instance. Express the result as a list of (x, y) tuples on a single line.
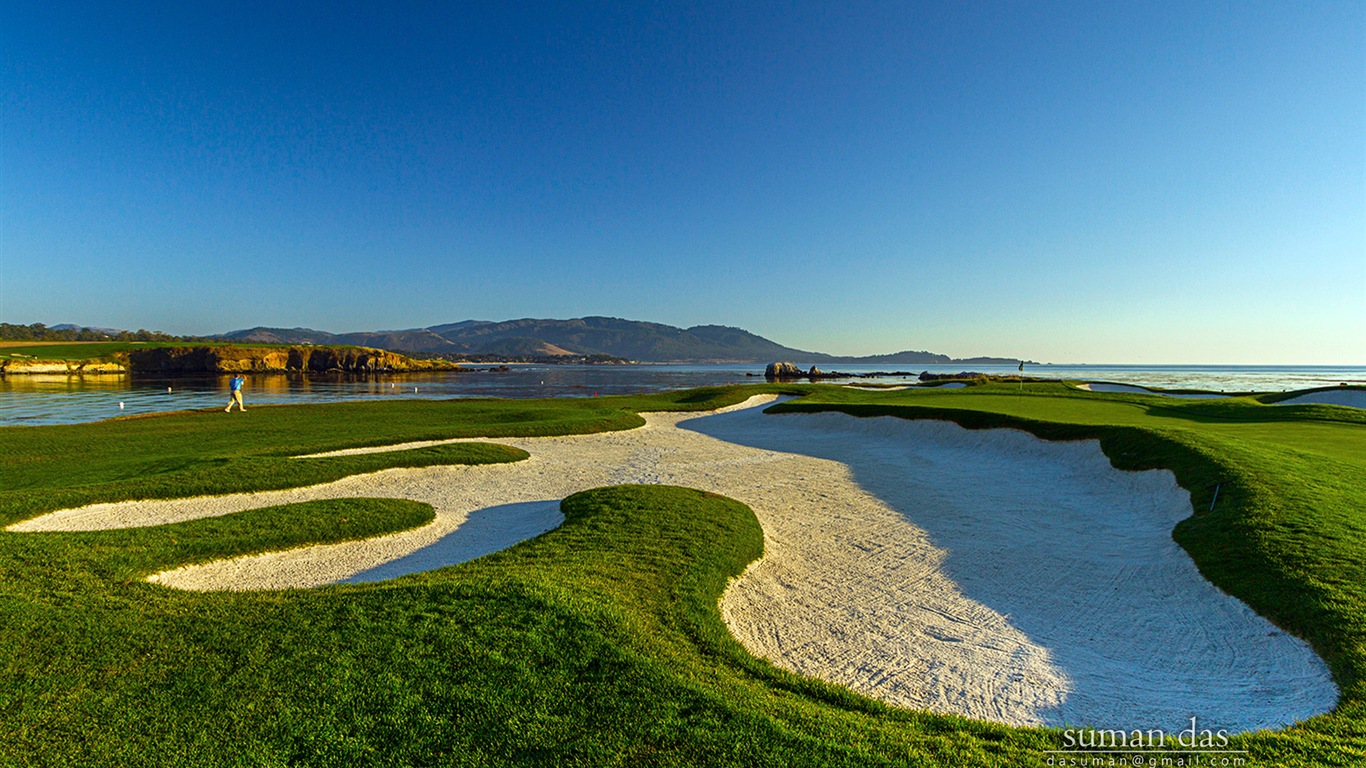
[(40, 332)]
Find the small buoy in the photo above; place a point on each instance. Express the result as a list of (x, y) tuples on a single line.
[(414, 390), (168, 390), (120, 405)]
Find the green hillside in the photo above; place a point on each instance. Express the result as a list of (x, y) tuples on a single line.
[(613, 337)]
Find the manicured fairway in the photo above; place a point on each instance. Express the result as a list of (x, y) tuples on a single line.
[(78, 350), (598, 643)]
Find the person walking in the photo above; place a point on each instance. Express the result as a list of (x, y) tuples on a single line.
[(236, 386)]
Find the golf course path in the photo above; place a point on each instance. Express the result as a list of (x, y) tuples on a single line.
[(981, 573)]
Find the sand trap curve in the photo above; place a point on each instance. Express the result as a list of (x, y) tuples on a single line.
[(1097, 386), (986, 574), (1352, 398)]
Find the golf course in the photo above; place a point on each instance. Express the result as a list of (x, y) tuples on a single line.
[(199, 588)]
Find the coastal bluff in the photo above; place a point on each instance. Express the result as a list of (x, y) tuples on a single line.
[(229, 358), (253, 359)]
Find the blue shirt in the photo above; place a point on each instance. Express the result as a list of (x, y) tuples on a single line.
[(236, 383)]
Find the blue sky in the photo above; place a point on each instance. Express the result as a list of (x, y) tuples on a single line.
[(1067, 182)]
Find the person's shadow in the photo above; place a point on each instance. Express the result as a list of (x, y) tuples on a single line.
[(486, 531)]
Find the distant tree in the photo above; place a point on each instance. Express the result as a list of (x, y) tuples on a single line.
[(12, 332), (40, 332), (34, 332)]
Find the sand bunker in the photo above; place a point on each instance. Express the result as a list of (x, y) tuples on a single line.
[(1097, 386), (1352, 398), (986, 574)]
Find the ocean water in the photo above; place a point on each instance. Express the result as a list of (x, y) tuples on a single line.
[(53, 399)]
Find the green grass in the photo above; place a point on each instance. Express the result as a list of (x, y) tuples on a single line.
[(1287, 534), (598, 643), (87, 350), (211, 452)]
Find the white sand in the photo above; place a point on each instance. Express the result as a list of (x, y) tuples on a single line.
[(1096, 386), (987, 574), (1352, 398)]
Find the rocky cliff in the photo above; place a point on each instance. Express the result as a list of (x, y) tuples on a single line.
[(233, 358), (307, 359), (70, 367)]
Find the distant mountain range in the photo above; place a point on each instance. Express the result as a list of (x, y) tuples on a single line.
[(629, 339)]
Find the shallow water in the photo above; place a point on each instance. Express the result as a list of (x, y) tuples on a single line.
[(60, 399)]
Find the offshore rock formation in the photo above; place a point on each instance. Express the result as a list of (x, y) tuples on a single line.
[(788, 371), (780, 371)]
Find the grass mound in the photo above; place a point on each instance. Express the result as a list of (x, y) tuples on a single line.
[(596, 644)]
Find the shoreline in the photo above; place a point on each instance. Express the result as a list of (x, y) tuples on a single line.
[(67, 398)]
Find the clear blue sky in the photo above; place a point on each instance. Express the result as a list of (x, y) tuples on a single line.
[(1067, 182)]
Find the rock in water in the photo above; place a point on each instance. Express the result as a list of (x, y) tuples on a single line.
[(777, 371)]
